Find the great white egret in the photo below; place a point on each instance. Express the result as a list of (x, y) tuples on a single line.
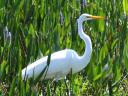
[(62, 62)]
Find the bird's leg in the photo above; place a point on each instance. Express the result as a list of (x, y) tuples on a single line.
[(65, 80), (55, 85), (43, 89)]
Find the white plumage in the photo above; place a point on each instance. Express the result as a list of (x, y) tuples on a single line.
[(62, 62)]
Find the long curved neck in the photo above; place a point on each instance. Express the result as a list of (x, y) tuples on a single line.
[(84, 60)]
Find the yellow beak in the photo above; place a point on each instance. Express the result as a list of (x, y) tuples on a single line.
[(96, 17)]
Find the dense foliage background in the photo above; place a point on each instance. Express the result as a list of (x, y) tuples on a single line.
[(30, 29)]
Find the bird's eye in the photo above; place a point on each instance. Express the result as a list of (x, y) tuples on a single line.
[(87, 16)]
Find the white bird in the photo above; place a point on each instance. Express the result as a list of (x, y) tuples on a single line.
[(64, 61)]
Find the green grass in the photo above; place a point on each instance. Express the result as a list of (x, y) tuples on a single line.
[(40, 27)]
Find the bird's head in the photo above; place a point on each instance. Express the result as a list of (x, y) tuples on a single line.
[(85, 17)]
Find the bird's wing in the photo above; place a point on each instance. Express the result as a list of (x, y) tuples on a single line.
[(34, 69), (59, 65)]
